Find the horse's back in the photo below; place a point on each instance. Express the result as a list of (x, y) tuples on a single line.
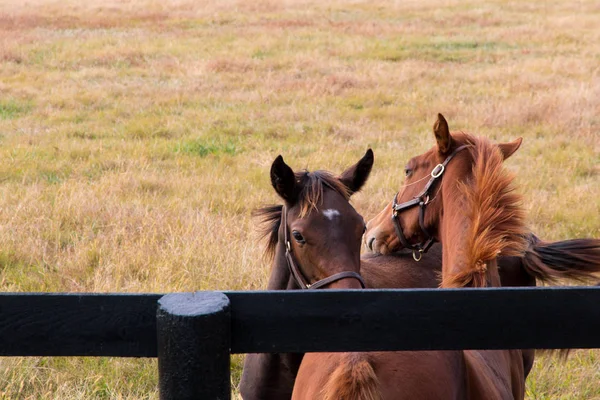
[(404, 375), (427, 375), (397, 271)]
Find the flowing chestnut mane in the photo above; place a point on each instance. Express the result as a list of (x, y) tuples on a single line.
[(496, 214), (309, 199)]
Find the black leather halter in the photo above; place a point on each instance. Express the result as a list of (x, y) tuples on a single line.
[(301, 281), (421, 200)]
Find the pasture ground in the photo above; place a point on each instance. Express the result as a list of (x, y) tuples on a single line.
[(136, 137)]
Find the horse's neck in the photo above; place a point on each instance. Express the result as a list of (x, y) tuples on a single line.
[(454, 226), (455, 229), (271, 376), (280, 278)]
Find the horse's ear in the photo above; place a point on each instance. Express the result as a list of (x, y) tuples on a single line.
[(283, 180), (442, 134), (509, 148), (355, 177)]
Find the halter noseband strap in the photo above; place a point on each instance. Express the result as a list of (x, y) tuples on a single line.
[(297, 274), (421, 200)]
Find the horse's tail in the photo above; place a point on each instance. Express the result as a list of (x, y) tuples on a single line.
[(353, 379), (575, 259)]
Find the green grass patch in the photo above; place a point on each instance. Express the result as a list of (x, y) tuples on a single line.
[(203, 148), (436, 50), (261, 54), (12, 109)]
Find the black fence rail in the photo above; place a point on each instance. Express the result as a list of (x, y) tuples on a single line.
[(193, 334)]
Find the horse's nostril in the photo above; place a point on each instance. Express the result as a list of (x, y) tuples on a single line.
[(370, 243)]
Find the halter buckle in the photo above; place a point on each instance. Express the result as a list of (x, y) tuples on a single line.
[(437, 171), (419, 252), (288, 247)]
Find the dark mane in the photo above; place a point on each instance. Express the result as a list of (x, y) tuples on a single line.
[(496, 211), (310, 197), (269, 221)]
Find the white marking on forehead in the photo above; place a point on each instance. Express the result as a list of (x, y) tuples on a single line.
[(331, 213)]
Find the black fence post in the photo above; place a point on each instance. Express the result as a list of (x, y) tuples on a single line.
[(193, 338)]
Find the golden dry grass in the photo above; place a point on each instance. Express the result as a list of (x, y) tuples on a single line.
[(136, 136)]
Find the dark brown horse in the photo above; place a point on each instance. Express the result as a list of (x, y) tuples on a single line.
[(271, 376), (315, 238)]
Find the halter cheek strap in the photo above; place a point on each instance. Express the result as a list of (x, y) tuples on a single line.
[(301, 281), (421, 200)]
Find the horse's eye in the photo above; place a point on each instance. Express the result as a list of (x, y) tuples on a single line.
[(299, 238), (407, 171)]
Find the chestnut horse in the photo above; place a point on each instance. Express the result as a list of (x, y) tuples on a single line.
[(476, 216), (457, 193), (271, 376)]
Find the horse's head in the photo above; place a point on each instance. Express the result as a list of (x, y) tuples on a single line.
[(318, 233), (438, 191)]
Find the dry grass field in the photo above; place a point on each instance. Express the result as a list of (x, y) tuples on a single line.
[(136, 137)]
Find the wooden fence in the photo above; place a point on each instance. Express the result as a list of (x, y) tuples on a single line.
[(193, 334)]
